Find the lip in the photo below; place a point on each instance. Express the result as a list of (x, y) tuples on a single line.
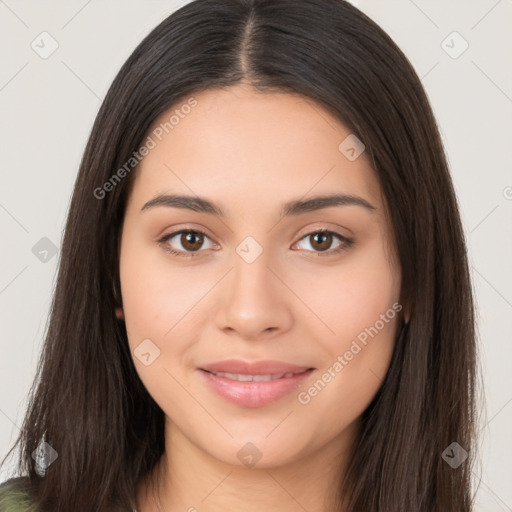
[(252, 367), (254, 393)]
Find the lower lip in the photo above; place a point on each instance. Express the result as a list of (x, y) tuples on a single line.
[(254, 394)]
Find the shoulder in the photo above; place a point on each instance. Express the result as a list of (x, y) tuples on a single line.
[(14, 496)]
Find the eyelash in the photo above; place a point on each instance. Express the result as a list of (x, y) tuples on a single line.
[(346, 243)]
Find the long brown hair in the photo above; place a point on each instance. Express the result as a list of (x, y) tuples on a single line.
[(87, 401)]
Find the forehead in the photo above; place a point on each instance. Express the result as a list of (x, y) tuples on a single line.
[(238, 143)]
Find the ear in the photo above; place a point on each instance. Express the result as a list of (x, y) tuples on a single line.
[(405, 312), (119, 314)]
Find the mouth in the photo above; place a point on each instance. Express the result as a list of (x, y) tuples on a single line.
[(256, 387), (243, 377)]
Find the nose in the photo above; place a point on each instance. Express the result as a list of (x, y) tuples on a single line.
[(254, 302)]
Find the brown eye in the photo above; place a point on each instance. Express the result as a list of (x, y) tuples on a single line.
[(190, 240), (320, 241)]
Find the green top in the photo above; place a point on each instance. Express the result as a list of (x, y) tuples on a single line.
[(13, 498)]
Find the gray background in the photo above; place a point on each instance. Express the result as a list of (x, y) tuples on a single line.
[(48, 106)]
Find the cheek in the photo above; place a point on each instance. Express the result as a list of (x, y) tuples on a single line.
[(158, 307), (157, 299), (352, 296), (155, 292), (361, 305)]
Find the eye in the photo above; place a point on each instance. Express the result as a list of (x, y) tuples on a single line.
[(190, 240), (322, 239)]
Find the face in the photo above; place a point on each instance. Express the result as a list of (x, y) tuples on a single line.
[(261, 274)]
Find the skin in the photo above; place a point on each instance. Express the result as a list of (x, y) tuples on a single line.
[(250, 152)]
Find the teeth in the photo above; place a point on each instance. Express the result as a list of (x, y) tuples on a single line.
[(261, 378), (254, 378)]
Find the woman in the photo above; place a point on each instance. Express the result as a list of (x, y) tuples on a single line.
[(263, 299)]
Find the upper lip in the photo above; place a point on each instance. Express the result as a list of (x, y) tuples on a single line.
[(240, 367)]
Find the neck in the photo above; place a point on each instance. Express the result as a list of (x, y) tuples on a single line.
[(188, 479)]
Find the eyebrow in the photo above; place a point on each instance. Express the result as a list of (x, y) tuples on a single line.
[(291, 208)]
